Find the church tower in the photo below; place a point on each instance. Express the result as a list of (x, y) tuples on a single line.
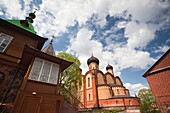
[(93, 63), (109, 69)]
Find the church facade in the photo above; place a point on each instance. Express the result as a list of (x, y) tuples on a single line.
[(104, 90)]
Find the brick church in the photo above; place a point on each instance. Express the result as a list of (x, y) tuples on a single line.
[(104, 90)]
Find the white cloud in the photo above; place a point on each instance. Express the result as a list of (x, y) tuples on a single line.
[(1, 13), (139, 34), (127, 57), (13, 9), (134, 88), (121, 57), (84, 46), (121, 24), (162, 49)]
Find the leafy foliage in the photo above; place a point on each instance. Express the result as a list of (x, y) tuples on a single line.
[(70, 77), (148, 103)]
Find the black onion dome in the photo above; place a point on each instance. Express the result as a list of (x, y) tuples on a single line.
[(32, 15), (93, 59), (109, 67)]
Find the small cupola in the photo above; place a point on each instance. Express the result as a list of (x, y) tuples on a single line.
[(109, 69), (28, 19), (93, 62)]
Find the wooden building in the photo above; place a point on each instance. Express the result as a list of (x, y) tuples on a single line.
[(158, 77), (28, 76), (105, 90)]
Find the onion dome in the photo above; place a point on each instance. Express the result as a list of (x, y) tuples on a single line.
[(28, 19), (93, 59), (109, 67)]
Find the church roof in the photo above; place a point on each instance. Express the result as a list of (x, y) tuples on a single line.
[(93, 59), (49, 49), (7, 24), (109, 67), (29, 53), (25, 24), (17, 23)]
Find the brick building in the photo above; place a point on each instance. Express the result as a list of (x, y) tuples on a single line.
[(106, 91), (158, 77)]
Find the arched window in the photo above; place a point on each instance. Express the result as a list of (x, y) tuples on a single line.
[(130, 103), (89, 97), (117, 102), (2, 77), (117, 91), (88, 82)]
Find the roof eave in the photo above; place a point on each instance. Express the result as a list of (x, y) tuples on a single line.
[(147, 72)]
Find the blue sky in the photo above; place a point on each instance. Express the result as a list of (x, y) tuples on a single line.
[(130, 35)]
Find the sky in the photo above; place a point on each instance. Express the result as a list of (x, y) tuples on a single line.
[(130, 35)]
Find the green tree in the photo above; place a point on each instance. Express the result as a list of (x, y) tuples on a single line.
[(148, 103), (70, 78)]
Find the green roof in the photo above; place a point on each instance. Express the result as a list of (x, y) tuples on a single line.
[(18, 24)]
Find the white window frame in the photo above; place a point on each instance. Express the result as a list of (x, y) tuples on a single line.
[(41, 70), (2, 35)]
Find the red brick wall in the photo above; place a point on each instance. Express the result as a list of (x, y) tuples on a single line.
[(160, 86), (112, 102), (163, 62), (121, 102)]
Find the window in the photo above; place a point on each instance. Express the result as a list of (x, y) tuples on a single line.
[(2, 77), (4, 41), (117, 102), (88, 82), (117, 91), (89, 97), (44, 71), (130, 103)]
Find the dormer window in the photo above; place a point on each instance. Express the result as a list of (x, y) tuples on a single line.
[(44, 71), (4, 41)]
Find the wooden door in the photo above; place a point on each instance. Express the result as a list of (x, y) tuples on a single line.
[(30, 104)]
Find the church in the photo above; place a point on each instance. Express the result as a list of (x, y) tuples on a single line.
[(29, 75), (104, 90)]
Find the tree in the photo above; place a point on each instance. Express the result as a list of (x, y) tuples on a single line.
[(148, 103), (70, 78)]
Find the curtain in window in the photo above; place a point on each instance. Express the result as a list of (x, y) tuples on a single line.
[(54, 74), (45, 72), (36, 68)]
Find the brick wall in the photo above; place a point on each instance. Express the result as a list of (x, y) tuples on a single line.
[(163, 62), (160, 86)]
